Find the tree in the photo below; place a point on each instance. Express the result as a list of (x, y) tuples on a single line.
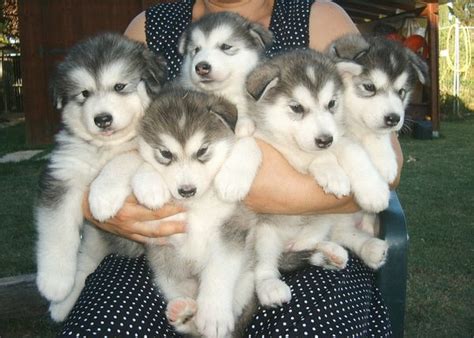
[(9, 21), (464, 11)]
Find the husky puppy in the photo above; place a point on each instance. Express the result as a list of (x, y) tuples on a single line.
[(206, 275), (376, 96), (219, 51), (102, 89), (298, 109)]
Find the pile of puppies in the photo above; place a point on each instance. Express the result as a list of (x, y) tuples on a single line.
[(191, 141)]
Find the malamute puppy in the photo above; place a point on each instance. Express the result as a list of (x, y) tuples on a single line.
[(219, 51), (206, 274), (376, 96), (298, 110), (102, 89)]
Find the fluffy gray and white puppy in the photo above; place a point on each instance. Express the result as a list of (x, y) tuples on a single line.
[(219, 51), (206, 274), (101, 89), (377, 93), (376, 96), (299, 110)]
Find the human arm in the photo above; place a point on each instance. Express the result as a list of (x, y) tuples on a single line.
[(138, 223)]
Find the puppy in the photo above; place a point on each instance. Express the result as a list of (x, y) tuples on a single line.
[(376, 96), (206, 273), (102, 89), (219, 51)]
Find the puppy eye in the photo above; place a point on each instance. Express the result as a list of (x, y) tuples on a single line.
[(166, 154), (225, 46), (369, 87), (203, 151), (402, 92), (197, 50), (119, 87), (297, 108), (85, 93), (331, 104)]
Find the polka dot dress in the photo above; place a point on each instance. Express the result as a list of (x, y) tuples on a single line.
[(326, 303), (166, 22), (119, 299)]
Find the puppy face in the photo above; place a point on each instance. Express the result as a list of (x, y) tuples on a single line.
[(298, 100), (377, 95), (103, 87), (186, 136), (378, 101), (221, 49)]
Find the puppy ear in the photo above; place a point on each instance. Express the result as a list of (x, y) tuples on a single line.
[(261, 80), (182, 42), (349, 47), (225, 111), (419, 66), (155, 72), (55, 92), (348, 69), (262, 36)]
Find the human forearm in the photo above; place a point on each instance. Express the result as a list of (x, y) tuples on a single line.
[(280, 189)]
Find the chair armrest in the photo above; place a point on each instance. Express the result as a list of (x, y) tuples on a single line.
[(392, 277)]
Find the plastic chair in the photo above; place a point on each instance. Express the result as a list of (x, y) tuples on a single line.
[(392, 277)]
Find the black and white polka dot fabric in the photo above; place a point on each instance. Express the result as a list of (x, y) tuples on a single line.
[(165, 23), (119, 299), (326, 303)]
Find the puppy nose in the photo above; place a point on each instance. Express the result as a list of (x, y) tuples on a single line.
[(323, 141), (391, 119), (203, 68), (103, 120), (187, 191)]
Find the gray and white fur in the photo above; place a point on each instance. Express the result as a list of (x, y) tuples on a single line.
[(299, 110), (101, 89), (205, 274), (219, 51), (376, 96)]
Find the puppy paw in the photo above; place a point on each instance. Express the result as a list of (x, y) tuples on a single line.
[(273, 292), (372, 196), (374, 253), (60, 310), (235, 177), (332, 179), (150, 189), (245, 127), (105, 202), (214, 319), (330, 256), (180, 313), (55, 285), (388, 170)]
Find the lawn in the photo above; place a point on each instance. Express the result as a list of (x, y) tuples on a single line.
[(436, 192)]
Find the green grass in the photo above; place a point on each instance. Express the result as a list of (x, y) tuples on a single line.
[(436, 193)]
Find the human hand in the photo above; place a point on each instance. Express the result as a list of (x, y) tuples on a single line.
[(135, 222)]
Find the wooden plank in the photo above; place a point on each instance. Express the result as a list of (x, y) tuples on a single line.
[(19, 297), (432, 15)]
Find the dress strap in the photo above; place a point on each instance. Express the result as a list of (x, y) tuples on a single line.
[(290, 25), (164, 25)]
